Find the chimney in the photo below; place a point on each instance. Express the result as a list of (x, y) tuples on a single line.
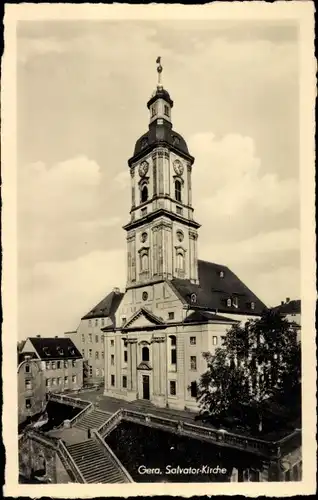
[(38, 336), (116, 290), (282, 303), (56, 337), (287, 300)]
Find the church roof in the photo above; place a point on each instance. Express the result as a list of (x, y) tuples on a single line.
[(218, 284), (55, 348), (160, 134), (204, 316), (106, 307)]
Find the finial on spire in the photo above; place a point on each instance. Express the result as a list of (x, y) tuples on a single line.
[(159, 70)]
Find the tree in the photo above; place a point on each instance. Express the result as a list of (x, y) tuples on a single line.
[(258, 365)]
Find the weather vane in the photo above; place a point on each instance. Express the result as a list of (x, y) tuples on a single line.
[(159, 69)]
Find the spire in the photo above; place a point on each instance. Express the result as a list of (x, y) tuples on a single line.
[(159, 70)]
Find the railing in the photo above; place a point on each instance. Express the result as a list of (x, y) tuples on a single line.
[(69, 463), (61, 398), (117, 463), (111, 423), (289, 443)]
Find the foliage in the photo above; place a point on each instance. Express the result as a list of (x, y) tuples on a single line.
[(257, 367)]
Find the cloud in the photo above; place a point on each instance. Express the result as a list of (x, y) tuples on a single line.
[(28, 48), (57, 294)]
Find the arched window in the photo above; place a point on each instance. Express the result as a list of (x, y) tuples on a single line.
[(145, 354), (177, 186), (144, 194), (180, 261), (173, 349), (144, 262)]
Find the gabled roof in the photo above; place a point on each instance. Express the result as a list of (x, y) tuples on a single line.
[(217, 284), (55, 348), (152, 318), (23, 355), (204, 316), (106, 307), (290, 307)]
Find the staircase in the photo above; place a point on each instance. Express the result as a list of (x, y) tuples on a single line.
[(94, 464), (92, 420)]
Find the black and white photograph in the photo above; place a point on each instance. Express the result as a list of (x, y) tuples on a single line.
[(157, 228)]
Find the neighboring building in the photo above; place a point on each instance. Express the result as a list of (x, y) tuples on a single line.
[(31, 387), (89, 338), (291, 310), (175, 307), (62, 363)]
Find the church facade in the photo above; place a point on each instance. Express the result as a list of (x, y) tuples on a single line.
[(175, 307)]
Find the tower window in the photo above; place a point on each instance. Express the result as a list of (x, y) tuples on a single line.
[(144, 194), (166, 110), (173, 350), (145, 354), (177, 186), (153, 111)]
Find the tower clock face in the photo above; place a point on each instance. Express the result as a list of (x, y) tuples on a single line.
[(178, 167), (143, 168)]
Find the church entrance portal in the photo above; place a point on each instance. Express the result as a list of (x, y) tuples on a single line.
[(145, 387)]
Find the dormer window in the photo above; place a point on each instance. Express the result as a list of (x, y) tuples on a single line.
[(61, 352), (235, 302), (166, 110), (46, 351), (193, 298), (144, 142), (221, 274), (229, 302), (253, 305)]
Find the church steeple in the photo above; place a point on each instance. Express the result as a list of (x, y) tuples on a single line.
[(162, 234)]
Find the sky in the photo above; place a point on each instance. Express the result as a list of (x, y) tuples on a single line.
[(82, 89)]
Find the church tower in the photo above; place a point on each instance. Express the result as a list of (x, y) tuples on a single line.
[(162, 233)]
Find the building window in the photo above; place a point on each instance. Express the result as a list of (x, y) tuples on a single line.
[(90, 370), (153, 111), (229, 302), (74, 363), (173, 387), (58, 365), (193, 363), (103, 323), (193, 340), (166, 110), (112, 343), (89, 322), (96, 355), (27, 368), (112, 380), (28, 385), (124, 381), (90, 338), (214, 340), (53, 365), (145, 354), (65, 380), (53, 381), (125, 356), (90, 353), (112, 359), (103, 355), (223, 337), (194, 389), (171, 315), (173, 350), (177, 190), (47, 365), (74, 379), (96, 339), (179, 210), (48, 382), (83, 338), (173, 356), (28, 404), (96, 322), (59, 380), (180, 261), (83, 353), (143, 212), (144, 194), (173, 340), (103, 372), (97, 372), (102, 338)]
